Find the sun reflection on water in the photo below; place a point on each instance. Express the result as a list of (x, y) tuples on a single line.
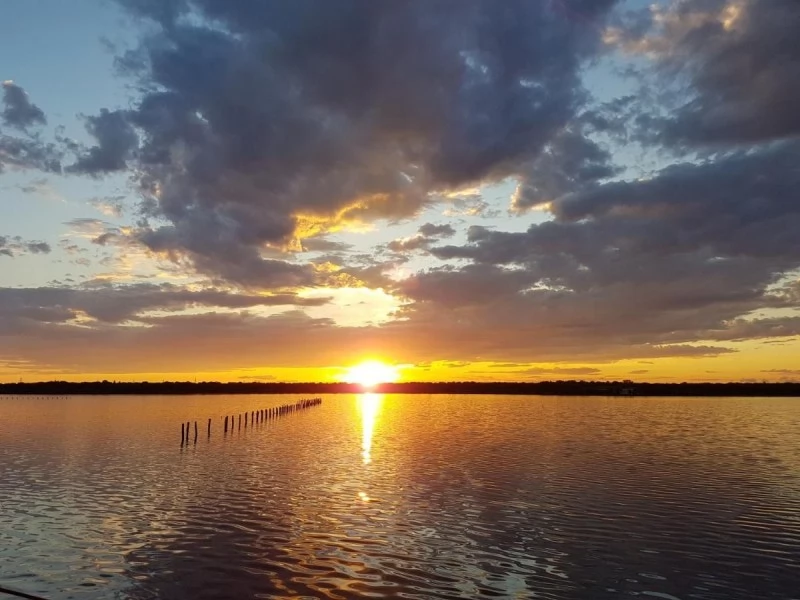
[(369, 406)]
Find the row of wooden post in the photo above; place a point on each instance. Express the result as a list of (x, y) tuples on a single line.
[(254, 416)]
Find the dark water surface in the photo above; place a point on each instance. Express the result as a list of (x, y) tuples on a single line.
[(402, 497)]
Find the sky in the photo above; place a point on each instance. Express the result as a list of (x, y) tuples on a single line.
[(468, 189)]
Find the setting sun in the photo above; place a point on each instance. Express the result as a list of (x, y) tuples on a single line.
[(370, 373)]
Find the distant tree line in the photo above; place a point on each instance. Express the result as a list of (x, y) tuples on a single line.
[(550, 388)]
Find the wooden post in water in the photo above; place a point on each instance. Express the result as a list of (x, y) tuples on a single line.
[(226, 424), (209, 428), (195, 433), (240, 422), (183, 435), (187, 433)]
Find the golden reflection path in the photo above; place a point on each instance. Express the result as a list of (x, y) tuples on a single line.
[(369, 405)]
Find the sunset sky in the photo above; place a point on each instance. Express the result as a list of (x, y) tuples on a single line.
[(470, 189)]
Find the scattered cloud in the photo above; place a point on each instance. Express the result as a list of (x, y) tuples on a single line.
[(323, 245), (431, 230), (42, 188), (28, 150), (426, 235), (29, 153), (16, 246), (18, 111), (109, 206), (730, 67), (470, 205), (561, 371), (110, 303)]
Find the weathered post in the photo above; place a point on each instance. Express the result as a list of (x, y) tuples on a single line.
[(183, 435), (226, 424), (209, 428)]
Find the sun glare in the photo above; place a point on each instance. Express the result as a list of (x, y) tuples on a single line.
[(370, 373)]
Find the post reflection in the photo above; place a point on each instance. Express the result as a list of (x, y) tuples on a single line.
[(369, 406)]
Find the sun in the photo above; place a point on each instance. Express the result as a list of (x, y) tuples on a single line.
[(370, 373)]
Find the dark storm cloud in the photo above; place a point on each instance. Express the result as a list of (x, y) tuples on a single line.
[(116, 143), (741, 207), (18, 110), (682, 256), (496, 313), (741, 62), (15, 246), (260, 113), (571, 162)]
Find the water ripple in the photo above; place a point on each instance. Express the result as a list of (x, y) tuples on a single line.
[(403, 497)]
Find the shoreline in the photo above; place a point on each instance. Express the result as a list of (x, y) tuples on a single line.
[(543, 388)]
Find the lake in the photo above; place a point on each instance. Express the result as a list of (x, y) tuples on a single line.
[(402, 497)]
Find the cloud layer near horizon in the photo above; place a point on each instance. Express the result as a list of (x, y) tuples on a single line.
[(261, 127)]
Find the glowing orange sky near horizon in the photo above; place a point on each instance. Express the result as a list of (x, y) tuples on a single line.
[(773, 363)]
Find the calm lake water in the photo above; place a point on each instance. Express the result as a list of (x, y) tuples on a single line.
[(402, 497)]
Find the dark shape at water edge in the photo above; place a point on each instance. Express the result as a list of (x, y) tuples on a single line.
[(542, 388)]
